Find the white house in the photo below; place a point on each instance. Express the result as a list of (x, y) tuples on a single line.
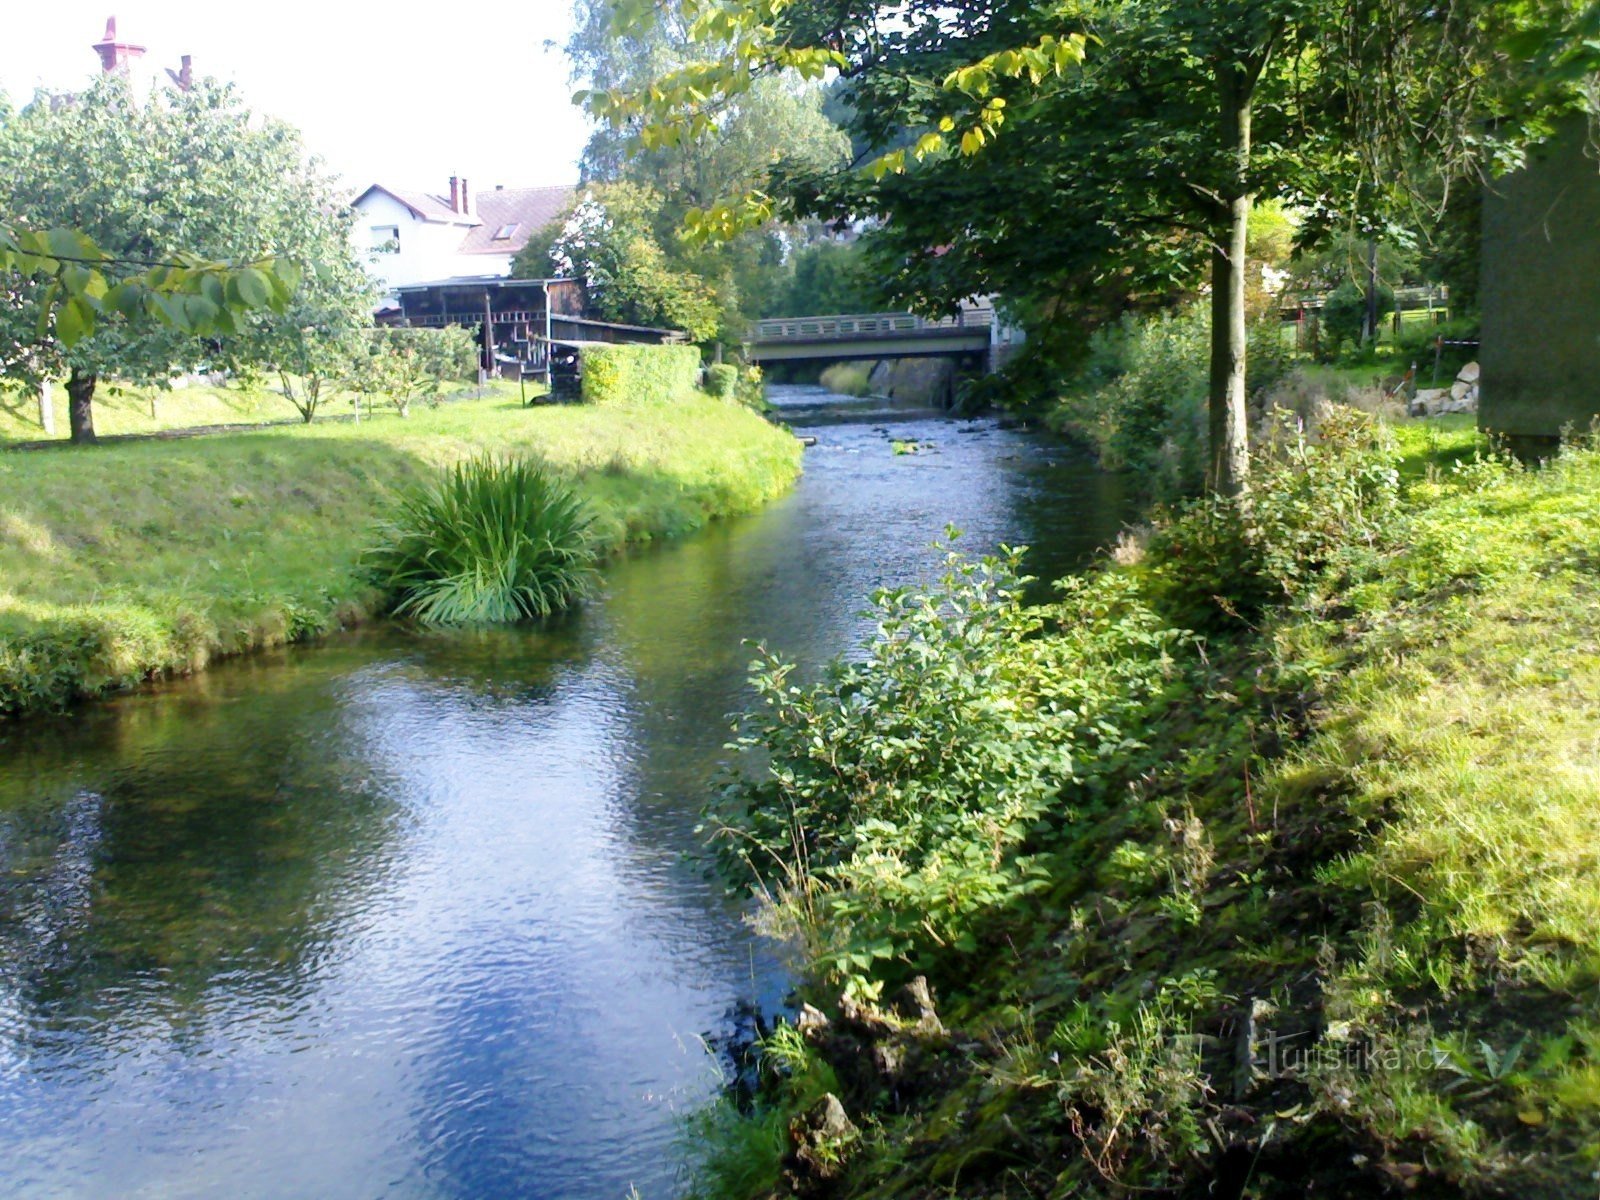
[(415, 237)]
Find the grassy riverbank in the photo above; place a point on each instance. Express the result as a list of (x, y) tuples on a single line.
[(1264, 865), (130, 560), (122, 410)]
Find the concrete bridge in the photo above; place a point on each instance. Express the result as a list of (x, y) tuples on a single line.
[(970, 333)]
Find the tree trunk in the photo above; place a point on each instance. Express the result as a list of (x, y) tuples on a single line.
[(1372, 293), (1229, 470), (47, 408), (80, 406)]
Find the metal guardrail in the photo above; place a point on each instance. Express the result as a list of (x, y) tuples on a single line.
[(1411, 299), (850, 326)]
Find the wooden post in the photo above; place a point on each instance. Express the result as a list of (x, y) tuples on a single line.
[(549, 348), (488, 334)]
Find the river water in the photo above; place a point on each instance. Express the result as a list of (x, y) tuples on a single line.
[(421, 915)]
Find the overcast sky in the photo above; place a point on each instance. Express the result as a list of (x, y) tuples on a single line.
[(407, 93)]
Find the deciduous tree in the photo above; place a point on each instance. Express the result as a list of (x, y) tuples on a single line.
[(1025, 145), (168, 183)]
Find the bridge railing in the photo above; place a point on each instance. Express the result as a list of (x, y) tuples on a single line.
[(857, 325)]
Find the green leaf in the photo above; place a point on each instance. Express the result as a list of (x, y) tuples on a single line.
[(74, 321)]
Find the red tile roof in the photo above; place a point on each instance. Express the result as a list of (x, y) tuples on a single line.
[(524, 211)]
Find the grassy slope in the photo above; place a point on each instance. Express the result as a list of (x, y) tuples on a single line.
[(140, 558), (1374, 827), (127, 410)]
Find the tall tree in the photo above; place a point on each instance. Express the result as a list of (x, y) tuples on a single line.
[(1023, 141), (778, 123), (610, 241), (176, 178)]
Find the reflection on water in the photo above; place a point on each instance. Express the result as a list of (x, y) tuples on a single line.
[(424, 915)]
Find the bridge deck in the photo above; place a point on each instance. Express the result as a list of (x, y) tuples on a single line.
[(871, 335)]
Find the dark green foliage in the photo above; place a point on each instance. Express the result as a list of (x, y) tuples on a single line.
[(722, 379), (492, 541), (1320, 496), (1344, 313), (899, 796), (1137, 395), (828, 277), (1416, 345)]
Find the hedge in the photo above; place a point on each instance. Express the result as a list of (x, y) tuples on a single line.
[(628, 374)]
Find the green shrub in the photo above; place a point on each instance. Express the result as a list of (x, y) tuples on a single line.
[(405, 365), (491, 541), (752, 389), (893, 804), (636, 374), (1316, 499), (1344, 313), (848, 379), (1139, 399), (1416, 345), (722, 379)]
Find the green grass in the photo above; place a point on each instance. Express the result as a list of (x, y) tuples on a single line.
[(1370, 816), (492, 541), (128, 410), (129, 560), (122, 410)]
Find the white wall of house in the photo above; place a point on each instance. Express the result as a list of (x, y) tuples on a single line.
[(423, 250), (486, 264)]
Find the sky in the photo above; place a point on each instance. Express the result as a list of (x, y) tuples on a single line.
[(406, 94)]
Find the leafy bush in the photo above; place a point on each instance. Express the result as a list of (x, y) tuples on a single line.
[(1317, 496), (1344, 313), (1416, 345), (404, 365), (1139, 400), (491, 541), (722, 379), (848, 379), (895, 800), (638, 374), (751, 388)]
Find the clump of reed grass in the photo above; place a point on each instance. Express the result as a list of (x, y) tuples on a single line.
[(491, 541)]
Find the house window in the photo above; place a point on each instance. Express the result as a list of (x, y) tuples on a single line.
[(386, 239), (506, 232)]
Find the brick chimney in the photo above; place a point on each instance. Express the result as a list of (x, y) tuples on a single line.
[(455, 194), (115, 55), (183, 77), (468, 208)]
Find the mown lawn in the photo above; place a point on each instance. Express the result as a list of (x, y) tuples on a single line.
[(136, 558)]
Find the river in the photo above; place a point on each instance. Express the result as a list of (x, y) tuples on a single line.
[(424, 915)]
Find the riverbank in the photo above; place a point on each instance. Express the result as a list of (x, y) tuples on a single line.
[(1266, 870), (140, 559)]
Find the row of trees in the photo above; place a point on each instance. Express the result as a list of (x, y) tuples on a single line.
[(1078, 159), (624, 234), (166, 184)]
